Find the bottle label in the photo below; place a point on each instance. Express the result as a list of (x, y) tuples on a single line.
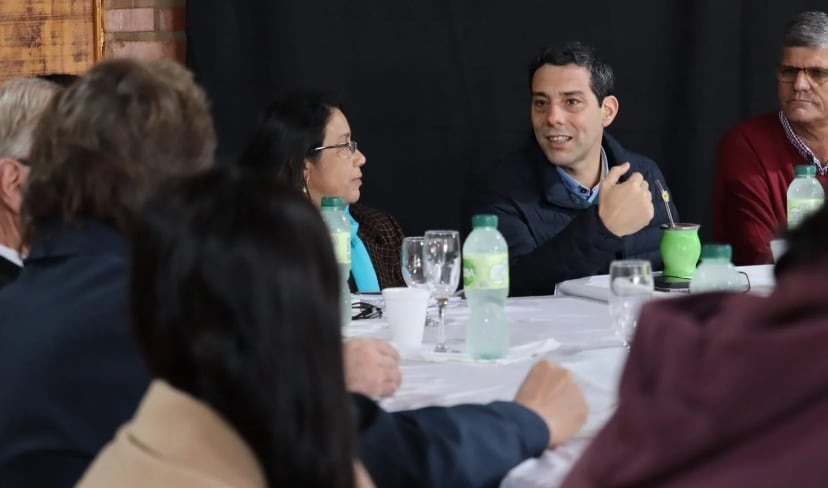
[(342, 246), (799, 210), (486, 271)]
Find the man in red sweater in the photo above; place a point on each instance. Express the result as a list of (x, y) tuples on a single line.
[(756, 158)]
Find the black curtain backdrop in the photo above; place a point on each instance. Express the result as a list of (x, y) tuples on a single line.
[(436, 90)]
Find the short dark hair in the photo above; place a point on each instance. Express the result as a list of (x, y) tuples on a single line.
[(106, 141), (235, 300), (602, 79), (287, 131)]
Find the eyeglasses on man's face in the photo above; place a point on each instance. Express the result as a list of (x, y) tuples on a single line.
[(788, 74), (343, 150)]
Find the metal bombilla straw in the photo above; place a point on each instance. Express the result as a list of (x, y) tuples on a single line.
[(666, 198)]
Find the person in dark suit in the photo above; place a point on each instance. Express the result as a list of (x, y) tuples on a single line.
[(70, 372), (22, 101)]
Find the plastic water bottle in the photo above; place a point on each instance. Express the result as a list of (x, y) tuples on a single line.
[(716, 273), (333, 211), (486, 282), (805, 195)]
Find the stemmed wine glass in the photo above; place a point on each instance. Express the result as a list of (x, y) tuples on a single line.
[(441, 263), (631, 284), (411, 261)]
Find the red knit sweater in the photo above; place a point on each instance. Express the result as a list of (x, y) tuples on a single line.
[(755, 166)]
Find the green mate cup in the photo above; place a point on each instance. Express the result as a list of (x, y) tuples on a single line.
[(680, 249)]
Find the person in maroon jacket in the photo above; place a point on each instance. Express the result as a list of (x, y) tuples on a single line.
[(756, 158), (726, 390)]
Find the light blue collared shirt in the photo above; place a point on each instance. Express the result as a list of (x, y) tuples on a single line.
[(588, 194)]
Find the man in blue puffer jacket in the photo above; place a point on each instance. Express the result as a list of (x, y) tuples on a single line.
[(573, 199)]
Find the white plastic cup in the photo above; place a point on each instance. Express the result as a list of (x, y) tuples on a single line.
[(405, 310)]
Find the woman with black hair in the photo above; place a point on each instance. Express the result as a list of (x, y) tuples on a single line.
[(240, 398), (305, 140)]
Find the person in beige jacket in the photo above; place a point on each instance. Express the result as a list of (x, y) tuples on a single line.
[(239, 326), (175, 440)]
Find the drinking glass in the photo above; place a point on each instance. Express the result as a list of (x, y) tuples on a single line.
[(631, 284), (411, 261), (441, 264)]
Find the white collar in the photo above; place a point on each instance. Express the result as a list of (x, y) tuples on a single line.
[(10, 255)]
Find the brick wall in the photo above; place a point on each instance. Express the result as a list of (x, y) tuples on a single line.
[(147, 29), (68, 36)]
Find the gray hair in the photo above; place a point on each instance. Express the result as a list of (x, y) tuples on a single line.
[(22, 101), (808, 29)]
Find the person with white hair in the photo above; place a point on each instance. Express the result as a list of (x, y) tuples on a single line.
[(22, 101), (757, 157)]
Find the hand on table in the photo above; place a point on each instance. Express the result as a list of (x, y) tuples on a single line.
[(625, 208), (372, 367), (549, 391)]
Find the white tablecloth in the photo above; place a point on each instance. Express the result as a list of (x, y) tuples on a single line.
[(597, 287), (587, 347)]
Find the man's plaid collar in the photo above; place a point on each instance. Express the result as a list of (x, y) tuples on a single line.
[(800, 146)]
